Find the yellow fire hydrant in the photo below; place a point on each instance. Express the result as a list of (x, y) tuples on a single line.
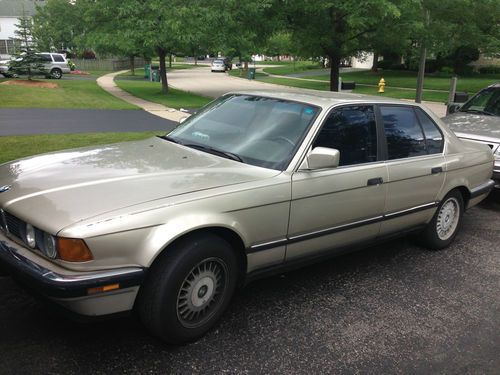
[(381, 85)]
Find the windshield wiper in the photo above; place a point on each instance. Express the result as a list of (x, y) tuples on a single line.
[(170, 139), (479, 111), (226, 154)]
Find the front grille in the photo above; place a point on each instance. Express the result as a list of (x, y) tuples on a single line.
[(15, 226)]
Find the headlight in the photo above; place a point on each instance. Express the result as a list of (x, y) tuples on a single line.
[(30, 237), (49, 247)]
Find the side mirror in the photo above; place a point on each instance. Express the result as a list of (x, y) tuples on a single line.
[(322, 157), (452, 108)]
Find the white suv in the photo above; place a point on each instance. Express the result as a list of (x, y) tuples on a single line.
[(54, 66)]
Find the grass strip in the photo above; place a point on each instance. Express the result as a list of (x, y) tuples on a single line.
[(152, 91), (74, 94), (15, 147)]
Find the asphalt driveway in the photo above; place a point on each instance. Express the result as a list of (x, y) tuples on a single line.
[(395, 308), (62, 121)]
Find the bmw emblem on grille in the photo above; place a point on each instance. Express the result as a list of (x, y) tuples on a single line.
[(4, 188)]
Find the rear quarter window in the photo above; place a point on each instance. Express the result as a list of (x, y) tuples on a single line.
[(433, 136)]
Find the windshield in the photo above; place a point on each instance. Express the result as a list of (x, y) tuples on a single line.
[(255, 130), (218, 62), (485, 102)]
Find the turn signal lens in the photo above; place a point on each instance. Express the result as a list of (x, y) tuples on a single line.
[(102, 289), (73, 250)]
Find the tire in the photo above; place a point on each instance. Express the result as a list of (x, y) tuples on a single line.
[(444, 226), (188, 288), (56, 73)]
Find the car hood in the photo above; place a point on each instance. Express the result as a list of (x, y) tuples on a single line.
[(55, 190), (474, 124)]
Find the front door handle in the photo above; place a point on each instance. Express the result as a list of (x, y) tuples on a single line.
[(436, 170), (375, 181)]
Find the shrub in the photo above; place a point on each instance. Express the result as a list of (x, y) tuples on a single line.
[(492, 69)]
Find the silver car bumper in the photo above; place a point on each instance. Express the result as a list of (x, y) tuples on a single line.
[(77, 291)]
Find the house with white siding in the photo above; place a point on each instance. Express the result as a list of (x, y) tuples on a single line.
[(10, 11)]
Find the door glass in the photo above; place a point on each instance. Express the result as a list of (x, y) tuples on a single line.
[(353, 131), (403, 132), (58, 58), (433, 137)]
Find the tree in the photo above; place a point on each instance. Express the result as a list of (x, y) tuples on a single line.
[(280, 43), (244, 26), (337, 29), (108, 33), (27, 61), (57, 25)]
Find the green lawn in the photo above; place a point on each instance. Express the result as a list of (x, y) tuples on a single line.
[(15, 147), (152, 91), (367, 90), (291, 68), (70, 94), (398, 78)]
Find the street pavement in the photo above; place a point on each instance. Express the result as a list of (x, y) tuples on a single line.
[(202, 81), (391, 309), (61, 121)]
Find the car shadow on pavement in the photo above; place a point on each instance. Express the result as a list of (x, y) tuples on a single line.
[(371, 306)]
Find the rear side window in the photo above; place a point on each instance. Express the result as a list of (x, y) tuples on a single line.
[(58, 58), (45, 57), (353, 131), (433, 136), (403, 132)]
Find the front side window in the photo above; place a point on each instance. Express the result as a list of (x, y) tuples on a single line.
[(353, 131), (260, 131), (403, 132)]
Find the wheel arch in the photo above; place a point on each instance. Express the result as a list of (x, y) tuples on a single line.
[(234, 239)]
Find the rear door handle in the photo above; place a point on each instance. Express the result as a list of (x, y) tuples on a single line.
[(436, 170), (375, 181)]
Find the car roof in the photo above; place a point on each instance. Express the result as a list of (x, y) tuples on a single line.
[(324, 99)]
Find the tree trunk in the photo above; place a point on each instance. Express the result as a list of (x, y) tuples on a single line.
[(334, 72), (163, 70), (375, 61), (170, 60), (132, 65), (421, 73), (421, 65)]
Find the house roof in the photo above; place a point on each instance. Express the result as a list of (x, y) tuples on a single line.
[(18, 8)]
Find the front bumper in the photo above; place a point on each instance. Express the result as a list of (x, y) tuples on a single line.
[(71, 289)]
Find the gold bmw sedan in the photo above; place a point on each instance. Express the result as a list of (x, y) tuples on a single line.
[(254, 183)]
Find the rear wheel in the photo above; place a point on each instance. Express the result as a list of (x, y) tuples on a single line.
[(444, 226), (188, 288), (56, 73)]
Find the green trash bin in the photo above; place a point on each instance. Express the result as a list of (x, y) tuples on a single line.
[(147, 71), (251, 73)]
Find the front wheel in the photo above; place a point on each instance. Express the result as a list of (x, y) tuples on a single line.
[(444, 226), (188, 288)]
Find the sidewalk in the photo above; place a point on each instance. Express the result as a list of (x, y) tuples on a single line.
[(108, 84)]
